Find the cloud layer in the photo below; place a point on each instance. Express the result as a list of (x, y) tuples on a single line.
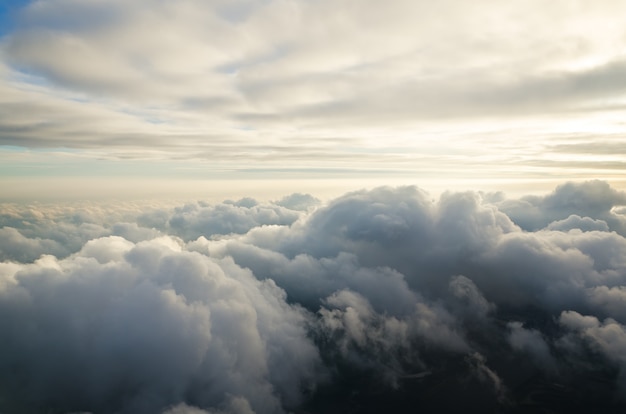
[(381, 299), (340, 85)]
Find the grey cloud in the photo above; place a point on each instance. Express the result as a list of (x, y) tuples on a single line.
[(194, 220), (299, 201), (63, 230), (133, 232), (308, 279), (385, 343), (133, 328), (611, 299), (428, 242), (531, 341), (523, 279), (185, 409), (14, 246), (359, 94), (474, 305), (608, 337), (593, 199), (588, 146), (575, 222), (257, 63), (401, 229), (376, 299), (486, 374), (565, 90), (235, 405)]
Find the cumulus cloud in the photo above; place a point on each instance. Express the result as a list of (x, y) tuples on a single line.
[(613, 299), (62, 230), (15, 246), (299, 201), (575, 222), (590, 203), (194, 220), (130, 327), (473, 303), (531, 341), (608, 336), (380, 298)]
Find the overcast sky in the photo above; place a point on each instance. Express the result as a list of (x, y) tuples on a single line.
[(434, 93)]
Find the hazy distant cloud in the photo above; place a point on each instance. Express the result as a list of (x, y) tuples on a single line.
[(299, 201), (62, 230), (194, 220), (14, 246), (580, 223), (589, 200)]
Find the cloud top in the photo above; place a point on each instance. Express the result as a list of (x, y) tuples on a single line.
[(376, 299)]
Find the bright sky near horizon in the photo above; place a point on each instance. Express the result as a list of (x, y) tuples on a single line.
[(154, 97)]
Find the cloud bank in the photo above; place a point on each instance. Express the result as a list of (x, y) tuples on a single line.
[(378, 300)]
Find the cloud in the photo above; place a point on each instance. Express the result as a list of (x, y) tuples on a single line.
[(575, 222), (63, 230), (15, 246), (299, 201), (486, 374), (211, 80), (472, 302), (194, 220), (613, 299), (399, 240), (608, 336), (131, 327), (235, 405), (385, 343), (379, 298), (588, 200), (531, 341)]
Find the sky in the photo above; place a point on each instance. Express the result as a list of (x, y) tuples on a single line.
[(312, 206), (177, 96)]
